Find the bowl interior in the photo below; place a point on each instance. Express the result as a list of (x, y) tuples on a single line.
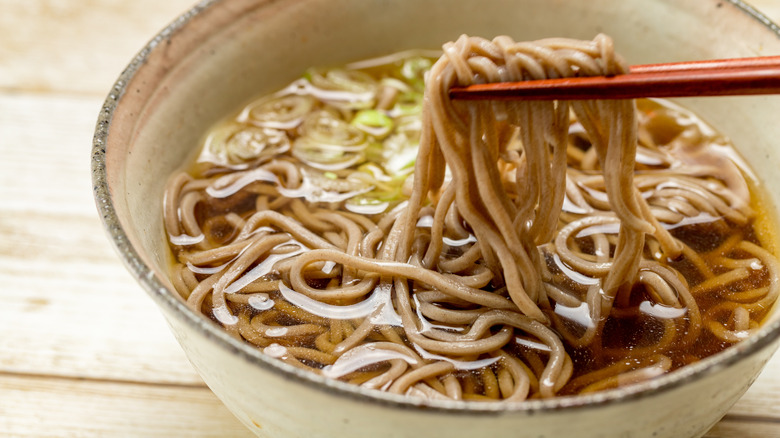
[(221, 55)]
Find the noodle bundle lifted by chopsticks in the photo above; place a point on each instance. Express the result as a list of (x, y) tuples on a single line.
[(371, 230)]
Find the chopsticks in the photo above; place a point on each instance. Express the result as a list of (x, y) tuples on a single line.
[(720, 77)]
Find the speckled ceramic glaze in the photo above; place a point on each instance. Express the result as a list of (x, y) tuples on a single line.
[(222, 53)]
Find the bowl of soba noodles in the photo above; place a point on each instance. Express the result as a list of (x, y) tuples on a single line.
[(344, 251)]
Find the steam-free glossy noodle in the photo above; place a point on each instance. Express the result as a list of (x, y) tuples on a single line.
[(476, 251)]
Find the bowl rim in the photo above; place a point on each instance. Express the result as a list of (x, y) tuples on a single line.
[(765, 338)]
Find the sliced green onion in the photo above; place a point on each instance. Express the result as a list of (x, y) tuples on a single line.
[(279, 112), (414, 70), (373, 122), (354, 81), (322, 181), (374, 170), (325, 156), (328, 128), (397, 84), (352, 89), (400, 152), (235, 143), (408, 104), (329, 143)]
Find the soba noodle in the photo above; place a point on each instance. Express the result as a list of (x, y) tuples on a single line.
[(536, 249)]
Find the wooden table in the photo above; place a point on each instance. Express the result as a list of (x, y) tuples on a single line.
[(83, 350)]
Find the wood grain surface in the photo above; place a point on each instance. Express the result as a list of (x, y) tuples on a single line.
[(83, 351)]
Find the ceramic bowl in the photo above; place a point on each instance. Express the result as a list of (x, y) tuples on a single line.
[(220, 54)]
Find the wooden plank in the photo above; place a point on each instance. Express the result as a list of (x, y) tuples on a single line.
[(763, 397), (45, 149), (735, 427), (53, 408), (61, 45), (72, 307), (86, 320), (46, 170)]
